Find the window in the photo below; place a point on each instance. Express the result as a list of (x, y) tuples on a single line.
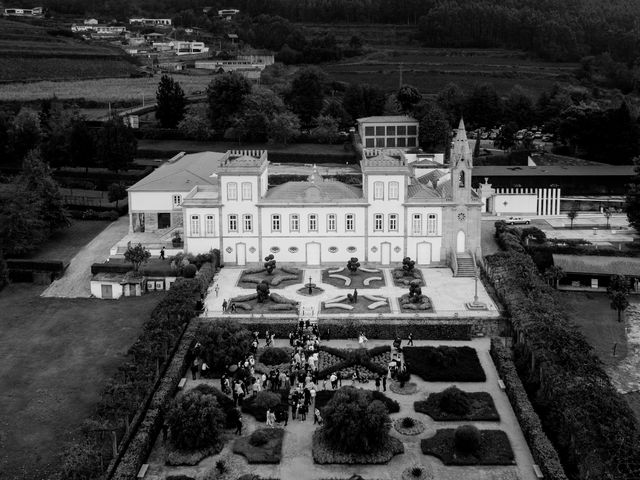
[(370, 143), (394, 188), (233, 223), (379, 131), (331, 222), (393, 222), (432, 224), (412, 130), (402, 142), (247, 223), (313, 222), (378, 191), (349, 222), (391, 131), (368, 131), (391, 142), (232, 191), (195, 225), (402, 130), (377, 222), (417, 224), (209, 225), (275, 223), (411, 142), (246, 190), (294, 222), (177, 200), (380, 142), (461, 180)]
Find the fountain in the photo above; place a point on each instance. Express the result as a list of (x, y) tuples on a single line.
[(310, 289)]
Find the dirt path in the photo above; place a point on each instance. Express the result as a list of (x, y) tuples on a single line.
[(75, 282)]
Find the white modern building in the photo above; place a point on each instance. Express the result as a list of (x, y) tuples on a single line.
[(405, 206), (397, 131)]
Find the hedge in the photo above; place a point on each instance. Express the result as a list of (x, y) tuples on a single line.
[(542, 255), (541, 448), (587, 420), (56, 266)]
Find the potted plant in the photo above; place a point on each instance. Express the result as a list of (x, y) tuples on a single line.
[(177, 239)]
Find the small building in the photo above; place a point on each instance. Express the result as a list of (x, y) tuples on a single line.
[(592, 272), (151, 22), (90, 21), (233, 38), (228, 13), (115, 285), (388, 131)]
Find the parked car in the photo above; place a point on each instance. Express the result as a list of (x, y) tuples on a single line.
[(518, 221)]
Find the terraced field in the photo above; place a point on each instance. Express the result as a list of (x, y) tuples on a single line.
[(30, 53)]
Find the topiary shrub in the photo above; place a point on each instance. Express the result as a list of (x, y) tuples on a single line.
[(455, 401), (467, 439), (416, 472), (274, 356), (258, 438), (408, 422), (265, 400), (189, 271), (223, 343), (195, 421)]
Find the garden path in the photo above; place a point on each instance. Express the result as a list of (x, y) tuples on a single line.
[(448, 293), (297, 462)]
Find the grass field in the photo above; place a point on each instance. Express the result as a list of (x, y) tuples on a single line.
[(30, 52), (65, 243), (56, 357)]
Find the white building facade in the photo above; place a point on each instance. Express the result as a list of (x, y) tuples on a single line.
[(398, 210)]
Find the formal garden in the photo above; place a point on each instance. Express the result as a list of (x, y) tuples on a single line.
[(353, 276)]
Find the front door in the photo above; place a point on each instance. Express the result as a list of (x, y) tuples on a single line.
[(423, 253), (385, 253), (460, 243), (107, 291), (313, 253), (164, 220), (241, 254)]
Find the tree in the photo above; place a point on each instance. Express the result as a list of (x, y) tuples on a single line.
[(506, 137), (258, 107), (283, 127), (573, 214), (262, 289), (483, 106), (22, 229), (194, 127), (553, 274), (632, 198), (354, 422), (117, 192), (171, 102), (326, 131), (195, 421), (270, 263), (334, 109), (353, 264), (408, 265), (82, 145), (415, 291), (116, 145), (223, 343), (408, 96), (476, 145), (36, 177), (618, 291), (434, 129), (306, 96), (619, 303), (452, 100), (137, 255), (363, 100), (518, 107), (26, 132), (225, 95)]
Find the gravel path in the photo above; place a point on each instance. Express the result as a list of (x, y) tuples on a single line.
[(75, 282)]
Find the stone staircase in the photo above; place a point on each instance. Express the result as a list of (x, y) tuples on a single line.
[(466, 268), (308, 312)]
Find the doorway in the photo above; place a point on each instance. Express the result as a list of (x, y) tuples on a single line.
[(107, 291), (164, 220), (313, 253), (423, 253), (241, 254), (385, 253), (460, 242)]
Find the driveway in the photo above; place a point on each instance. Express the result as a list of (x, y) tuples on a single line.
[(75, 282)]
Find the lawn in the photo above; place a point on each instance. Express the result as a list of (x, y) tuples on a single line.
[(444, 364), (495, 448), (56, 357), (65, 243), (592, 313)]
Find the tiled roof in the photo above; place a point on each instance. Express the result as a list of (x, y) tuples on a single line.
[(553, 170), (387, 119), (313, 192), (418, 192), (598, 265), (181, 175)]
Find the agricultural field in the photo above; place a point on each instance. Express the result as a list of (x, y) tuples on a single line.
[(432, 69), (29, 53)]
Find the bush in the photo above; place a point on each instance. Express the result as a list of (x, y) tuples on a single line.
[(408, 422), (455, 401), (480, 407), (189, 271), (467, 439), (493, 447), (274, 356), (195, 421), (258, 405), (267, 400), (353, 422), (258, 438), (224, 402), (263, 446), (223, 343), (444, 364)]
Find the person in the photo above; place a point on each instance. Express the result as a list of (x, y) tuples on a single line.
[(327, 335), (224, 305), (162, 253), (195, 366), (269, 419), (239, 424), (355, 295), (233, 307), (378, 383), (384, 383), (165, 431), (334, 381), (216, 289), (204, 368), (410, 340), (303, 409), (397, 344), (354, 377), (339, 379), (362, 340), (316, 417)]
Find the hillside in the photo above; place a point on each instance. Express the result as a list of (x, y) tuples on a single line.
[(31, 53)]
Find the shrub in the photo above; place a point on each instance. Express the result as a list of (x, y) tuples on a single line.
[(189, 271), (274, 356), (493, 448), (195, 421), (223, 343), (258, 438), (444, 363), (267, 400), (408, 422), (416, 471), (355, 423), (455, 401), (467, 439)]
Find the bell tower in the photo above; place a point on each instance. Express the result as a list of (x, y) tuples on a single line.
[(461, 165)]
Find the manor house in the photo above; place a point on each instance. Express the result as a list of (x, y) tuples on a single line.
[(406, 205)]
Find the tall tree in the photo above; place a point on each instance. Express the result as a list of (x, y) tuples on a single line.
[(171, 102), (434, 128), (306, 96), (26, 132), (483, 106), (137, 255), (82, 145), (408, 96), (225, 95), (573, 214), (364, 100), (518, 107), (283, 127), (258, 107), (452, 100), (618, 290), (22, 229), (116, 145)]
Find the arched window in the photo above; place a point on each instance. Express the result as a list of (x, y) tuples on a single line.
[(461, 180)]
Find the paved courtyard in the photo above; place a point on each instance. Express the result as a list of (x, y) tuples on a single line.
[(297, 462), (448, 294)]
